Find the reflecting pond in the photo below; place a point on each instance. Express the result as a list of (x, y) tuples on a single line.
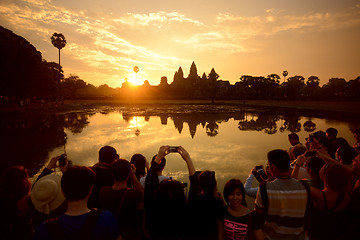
[(227, 139)]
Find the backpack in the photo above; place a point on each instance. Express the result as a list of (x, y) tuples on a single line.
[(56, 232)]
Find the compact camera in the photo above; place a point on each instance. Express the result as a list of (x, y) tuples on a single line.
[(62, 159), (261, 172), (173, 149)]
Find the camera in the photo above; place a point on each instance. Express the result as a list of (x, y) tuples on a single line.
[(261, 172), (173, 149), (62, 159)]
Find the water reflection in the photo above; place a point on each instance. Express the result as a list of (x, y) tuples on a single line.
[(227, 139), (27, 139)]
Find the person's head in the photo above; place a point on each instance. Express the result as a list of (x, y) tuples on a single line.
[(346, 154), (120, 169), (319, 134), (234, 192), (357, 135), (46, 194), (324, 143), (160, 166), (293, 138), (356, 164), (77, 183), (313, 166), (331, 133), (336, 177), (171, 192), (140, 163), (107, 154), (279, 161), (14, 183), (297, 151), (207, 182)]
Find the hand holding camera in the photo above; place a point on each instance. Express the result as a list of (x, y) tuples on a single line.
[(259, 173), (58, 161), (62, 160), (173, 149)]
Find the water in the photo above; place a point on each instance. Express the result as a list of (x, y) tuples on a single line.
[(226, 139)]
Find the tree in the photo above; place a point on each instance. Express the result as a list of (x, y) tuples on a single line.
[(353, 89), (23, 71), (285, 73), (71, 85), (274, 77), (59, 41), (294, 86), (312, 86), (335, 88)]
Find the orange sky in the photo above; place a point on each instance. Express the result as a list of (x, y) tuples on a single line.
[(106, 39)]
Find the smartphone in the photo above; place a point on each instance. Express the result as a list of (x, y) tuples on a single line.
[(62, 159), (173, 149)]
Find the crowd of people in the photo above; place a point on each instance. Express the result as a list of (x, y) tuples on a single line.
[(310, 191)]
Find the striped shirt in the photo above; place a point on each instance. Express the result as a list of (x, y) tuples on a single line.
[(286, 211)]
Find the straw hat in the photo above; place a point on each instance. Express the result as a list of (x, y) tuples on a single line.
[(46, 194)]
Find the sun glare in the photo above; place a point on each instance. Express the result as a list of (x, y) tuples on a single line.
[(135, 80)]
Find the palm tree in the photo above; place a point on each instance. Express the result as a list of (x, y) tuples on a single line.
[(285, 73), (58, 40)]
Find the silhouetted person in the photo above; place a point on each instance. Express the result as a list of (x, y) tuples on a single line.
[(107, 155), (125, 203)]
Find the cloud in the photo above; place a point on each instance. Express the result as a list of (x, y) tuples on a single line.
[(276, 21), (156, 19)]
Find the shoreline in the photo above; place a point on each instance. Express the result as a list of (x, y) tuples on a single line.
[(347, 108)]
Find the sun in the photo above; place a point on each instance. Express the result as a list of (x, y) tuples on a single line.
[(135, 80)]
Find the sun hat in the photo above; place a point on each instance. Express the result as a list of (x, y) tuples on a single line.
[(46, 194)]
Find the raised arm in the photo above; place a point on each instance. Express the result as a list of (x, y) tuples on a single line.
[(249, 190), (186, 156), (137, 184), (299, 162)]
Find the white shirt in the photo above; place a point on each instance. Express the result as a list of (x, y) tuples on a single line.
[(142, 180)]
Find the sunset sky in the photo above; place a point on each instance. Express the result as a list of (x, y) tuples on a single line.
[(107, 38)]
